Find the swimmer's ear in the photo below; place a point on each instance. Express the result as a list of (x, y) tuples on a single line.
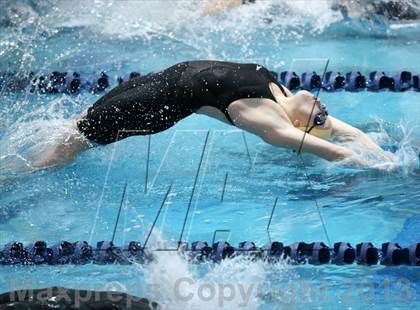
[(296, 123)]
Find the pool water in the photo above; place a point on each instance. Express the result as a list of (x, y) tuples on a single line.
[(81, 200)]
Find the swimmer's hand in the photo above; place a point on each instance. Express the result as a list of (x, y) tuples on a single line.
[(360, 161), (364, 151), (359, 157)]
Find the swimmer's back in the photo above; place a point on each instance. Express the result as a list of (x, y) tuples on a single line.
[(219, 83), (152, 103)]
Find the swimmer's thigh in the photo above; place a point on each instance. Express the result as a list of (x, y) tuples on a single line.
[(136, 111)]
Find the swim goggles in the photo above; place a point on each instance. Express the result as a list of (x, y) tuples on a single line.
[(320, 118)]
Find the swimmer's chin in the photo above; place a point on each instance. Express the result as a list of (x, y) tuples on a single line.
[(319, 132)]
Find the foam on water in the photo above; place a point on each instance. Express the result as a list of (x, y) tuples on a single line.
[(185, 20), (232, 284), (179, 284), (33, 133), (52, 35), (132, 18), (161, 17), (404, 159)]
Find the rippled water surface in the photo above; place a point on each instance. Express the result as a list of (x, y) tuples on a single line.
[(80, 201)]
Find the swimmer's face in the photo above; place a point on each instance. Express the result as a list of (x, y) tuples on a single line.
[(304, 101)]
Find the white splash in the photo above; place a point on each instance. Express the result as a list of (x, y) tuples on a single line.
[(405, 159), (176, 284), (32, 134)]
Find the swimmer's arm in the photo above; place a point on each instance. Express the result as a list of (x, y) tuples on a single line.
[(292, 138), (217, 6), (344, 132), (263, 117), (347, 133)]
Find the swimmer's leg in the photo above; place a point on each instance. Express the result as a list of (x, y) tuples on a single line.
[(64, 150), (142, 106)]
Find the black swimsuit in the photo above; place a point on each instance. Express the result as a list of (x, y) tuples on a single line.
[(152, 103)]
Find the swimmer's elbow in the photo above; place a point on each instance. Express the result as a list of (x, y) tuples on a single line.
[(273, 136)]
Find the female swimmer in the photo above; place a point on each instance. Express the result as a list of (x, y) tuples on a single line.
[(217, 6), (243, 95)]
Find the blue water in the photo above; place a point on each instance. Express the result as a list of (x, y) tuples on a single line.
[(80, 201)]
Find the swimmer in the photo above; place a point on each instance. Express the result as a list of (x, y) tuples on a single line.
[(212, 7), (246, 96)]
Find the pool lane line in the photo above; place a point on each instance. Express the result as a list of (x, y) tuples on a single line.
[(119, 212), (165, 155), (247, 149), (146, 177), (324, 227), (224, 187), (157, 216), (99, 206), (271, 217), (305, 170), (220, 230), (193, 189)]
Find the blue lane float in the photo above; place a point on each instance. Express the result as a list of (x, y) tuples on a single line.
[(99, 81), (380, 81), (127, 77), (343, 254), (13, 82), (403, 81), (367, 254), (310, 81), (290, 79), (315, 253), (333, 81), (355, 81), (72, 82), (416, 82)]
